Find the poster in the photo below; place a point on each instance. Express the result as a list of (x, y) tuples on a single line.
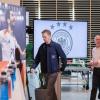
[(12, 31), (71, 35)]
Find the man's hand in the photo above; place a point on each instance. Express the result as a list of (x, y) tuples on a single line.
[(32, 70), (90, 63), (95, 63)]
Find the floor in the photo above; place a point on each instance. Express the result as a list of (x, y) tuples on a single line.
[(75, 93), (68, 92)]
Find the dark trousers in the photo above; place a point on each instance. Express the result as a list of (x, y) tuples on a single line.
[(50, 80), (95, 83)]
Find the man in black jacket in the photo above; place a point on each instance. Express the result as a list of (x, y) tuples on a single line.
[(48, 57)]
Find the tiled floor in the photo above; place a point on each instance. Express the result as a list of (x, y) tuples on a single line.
[(68, 92), (75, 93)]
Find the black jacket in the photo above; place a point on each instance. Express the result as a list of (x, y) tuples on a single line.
[(48, 57)]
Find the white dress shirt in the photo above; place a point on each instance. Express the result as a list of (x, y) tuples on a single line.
[(96, 55)]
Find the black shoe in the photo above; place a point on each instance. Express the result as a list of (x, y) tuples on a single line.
[(99, 96)]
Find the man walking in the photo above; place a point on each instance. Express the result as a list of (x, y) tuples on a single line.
[(48, 56)]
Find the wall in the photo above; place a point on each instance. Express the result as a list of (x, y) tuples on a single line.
[(15, 2)]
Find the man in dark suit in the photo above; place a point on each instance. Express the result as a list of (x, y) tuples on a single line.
[(48, 56)]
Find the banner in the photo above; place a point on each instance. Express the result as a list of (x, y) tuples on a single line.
[(71, 35), (12, 30)]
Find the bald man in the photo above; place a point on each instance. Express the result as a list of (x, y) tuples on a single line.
[(95, 65)]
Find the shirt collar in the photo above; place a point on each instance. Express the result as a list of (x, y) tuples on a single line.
[(50, 43)]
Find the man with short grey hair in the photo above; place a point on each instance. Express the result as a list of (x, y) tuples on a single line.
[(95, 65)]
